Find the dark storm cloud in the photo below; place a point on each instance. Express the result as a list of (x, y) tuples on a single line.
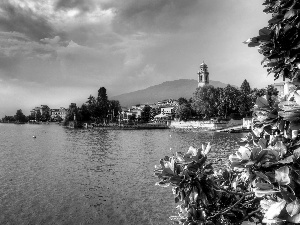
[(14, 18), (81, 5), (145, 15)]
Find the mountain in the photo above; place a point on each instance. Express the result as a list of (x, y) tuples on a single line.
[(167, 90)]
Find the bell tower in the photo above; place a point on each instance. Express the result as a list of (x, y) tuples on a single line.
[(203, 75)]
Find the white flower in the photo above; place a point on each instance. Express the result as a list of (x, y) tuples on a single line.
[(243, 153)]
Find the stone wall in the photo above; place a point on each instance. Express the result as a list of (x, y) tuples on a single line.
[(209, 125)]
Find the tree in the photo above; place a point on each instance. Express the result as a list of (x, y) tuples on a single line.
[(84, 113), (114, 108), (153, 112), (245, 100), (71, 113), (20, 117), (203, 101), (146, 113), (279, 42), (261, 183), (91, 106), (228, 100), (38, 115), (102, 106), (183, 112), (8, 119), (182, 100), (46, 115)]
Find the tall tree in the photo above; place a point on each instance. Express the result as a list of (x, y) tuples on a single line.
[(114, 108), (183, 112), (229, 100), (72, 112), (20, 117), (182, 100), (146, 113), (91, 106), (84, 113), (102, 104), (153, 112), (203, 101), (245, 100)]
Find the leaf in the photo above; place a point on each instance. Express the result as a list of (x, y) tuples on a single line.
[(262, 143), (265, 31), (297, 153), (163, 184), (282, 175), (263, 176), (261, 102), (207, 149), (287, 160), (260, 193), (293, 208), (288, 196), (175, 180), (264, 186), (294, 219), (290, 14), (275, 210), (258, 154)]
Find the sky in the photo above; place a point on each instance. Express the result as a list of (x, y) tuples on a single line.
[(56, 52)]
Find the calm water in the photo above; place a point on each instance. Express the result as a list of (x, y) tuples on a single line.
[(66, 176)]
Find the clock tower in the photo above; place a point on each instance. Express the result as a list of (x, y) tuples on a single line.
[(203, 75)]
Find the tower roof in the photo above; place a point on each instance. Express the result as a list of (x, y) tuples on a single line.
[(203, 63)]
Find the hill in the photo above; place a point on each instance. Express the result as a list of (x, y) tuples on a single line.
[(167, 90)]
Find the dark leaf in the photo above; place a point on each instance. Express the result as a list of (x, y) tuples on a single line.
[(263, 176), (175, 180), (293, 208), (264, 31), (258, 154), (287, 196), (262, 143), (290, 13)]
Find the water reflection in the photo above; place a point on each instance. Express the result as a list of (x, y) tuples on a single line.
[(95, 176)]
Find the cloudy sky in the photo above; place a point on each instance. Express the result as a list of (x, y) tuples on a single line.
[(55, 52)]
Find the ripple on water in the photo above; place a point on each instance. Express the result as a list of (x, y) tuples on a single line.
[(66, 176)]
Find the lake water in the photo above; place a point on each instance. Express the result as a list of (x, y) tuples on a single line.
[(67, 176)]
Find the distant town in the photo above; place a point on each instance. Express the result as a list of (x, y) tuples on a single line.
[(206, 103)]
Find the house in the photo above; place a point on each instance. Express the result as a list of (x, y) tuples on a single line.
[(170, 111), (58, 113), (167, 102)]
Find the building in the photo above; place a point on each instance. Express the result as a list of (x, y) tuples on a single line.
[(170, 111), (58, 114), (38, 112), (203, 75), (167, 102)]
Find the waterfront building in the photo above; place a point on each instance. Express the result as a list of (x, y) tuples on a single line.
[(169, 111), (203, 75), (58, 114), (167, 102)]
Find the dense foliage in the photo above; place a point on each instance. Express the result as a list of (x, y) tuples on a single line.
[(209, 101), (279, 42), (99, 109), (261, 183)]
